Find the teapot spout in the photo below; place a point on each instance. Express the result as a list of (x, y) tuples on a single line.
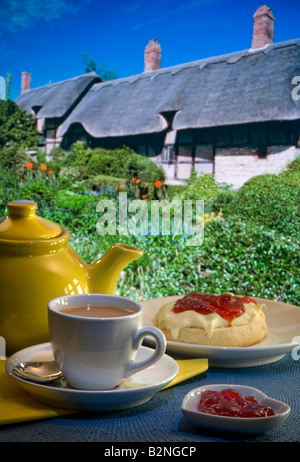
[(103, 275)]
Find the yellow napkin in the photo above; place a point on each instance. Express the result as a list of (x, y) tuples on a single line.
[(16, 405), (189, 368)]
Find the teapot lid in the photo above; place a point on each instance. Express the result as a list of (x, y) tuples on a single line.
[(22, 223)]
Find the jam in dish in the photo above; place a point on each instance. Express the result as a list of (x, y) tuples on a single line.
[(230, 403), (227, 306)]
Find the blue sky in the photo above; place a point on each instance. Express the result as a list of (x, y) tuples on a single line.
[(46, 38)]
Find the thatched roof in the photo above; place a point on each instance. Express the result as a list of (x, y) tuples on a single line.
[(57, 99), (236, 88)]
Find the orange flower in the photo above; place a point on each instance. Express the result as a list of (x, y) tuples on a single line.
[(29, 165), (138, 181), (50, 171), (43, 167), (144, 196), (158, 184), (133, 179), (122, 186)]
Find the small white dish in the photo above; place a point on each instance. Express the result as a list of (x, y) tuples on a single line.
[(234, 424), (283, 322), (133, 391)]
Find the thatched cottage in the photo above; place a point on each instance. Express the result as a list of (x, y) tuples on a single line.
[(235, 115)]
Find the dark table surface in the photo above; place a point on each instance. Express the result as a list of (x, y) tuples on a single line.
[(160, 420)]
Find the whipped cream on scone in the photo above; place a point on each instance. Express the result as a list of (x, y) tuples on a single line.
[(216, 320)]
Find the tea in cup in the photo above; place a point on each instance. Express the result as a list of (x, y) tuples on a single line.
[(95, 339)]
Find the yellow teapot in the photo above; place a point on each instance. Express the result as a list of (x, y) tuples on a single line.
[(37, 264)]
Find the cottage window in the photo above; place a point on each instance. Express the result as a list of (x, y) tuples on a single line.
[(203, 153), (168, 155), (185, 151)]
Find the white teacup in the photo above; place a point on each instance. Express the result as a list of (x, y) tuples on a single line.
[(95, 350)]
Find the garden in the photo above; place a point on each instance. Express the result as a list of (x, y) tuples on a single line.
[(251, 235)]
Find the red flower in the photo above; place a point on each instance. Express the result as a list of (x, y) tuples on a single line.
[(158, 184), (29, 165), (43, 167), (144, 196), (50, 171), (133, 179), (122, 186)]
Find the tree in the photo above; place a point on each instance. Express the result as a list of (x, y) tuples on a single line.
[(103, 71), (16, 126)]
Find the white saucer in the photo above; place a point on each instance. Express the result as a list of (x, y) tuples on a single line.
[(235, 424), (133, 391), (283, 322)]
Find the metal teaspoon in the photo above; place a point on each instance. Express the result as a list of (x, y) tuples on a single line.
[(38, 371)]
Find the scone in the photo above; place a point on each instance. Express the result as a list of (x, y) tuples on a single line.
[(215, 320)]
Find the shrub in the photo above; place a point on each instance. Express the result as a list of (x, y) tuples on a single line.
[(16, 126), (39, 192), (72, 173), (122, 163), (103, 181), (235, 257), (101, 164), (144, 169), (81, 153), (223, 201), (58, 159), (57, 154), (270, 200), (75, 211), (13, 159), (109, 162), (9, 190), (174, 190), (249, 258), (292, 169), (204, 187)]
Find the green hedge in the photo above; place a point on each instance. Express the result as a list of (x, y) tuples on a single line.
[(235, 257), (269, 200), (124, 163), (144, 169), (99, 182), (204, 188)]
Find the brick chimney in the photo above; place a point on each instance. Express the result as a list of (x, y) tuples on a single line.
[(152, 56), (263, 28), (25, 82)]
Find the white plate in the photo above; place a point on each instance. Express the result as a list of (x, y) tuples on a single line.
[(283, 322), (235, 424), (133, 391)]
